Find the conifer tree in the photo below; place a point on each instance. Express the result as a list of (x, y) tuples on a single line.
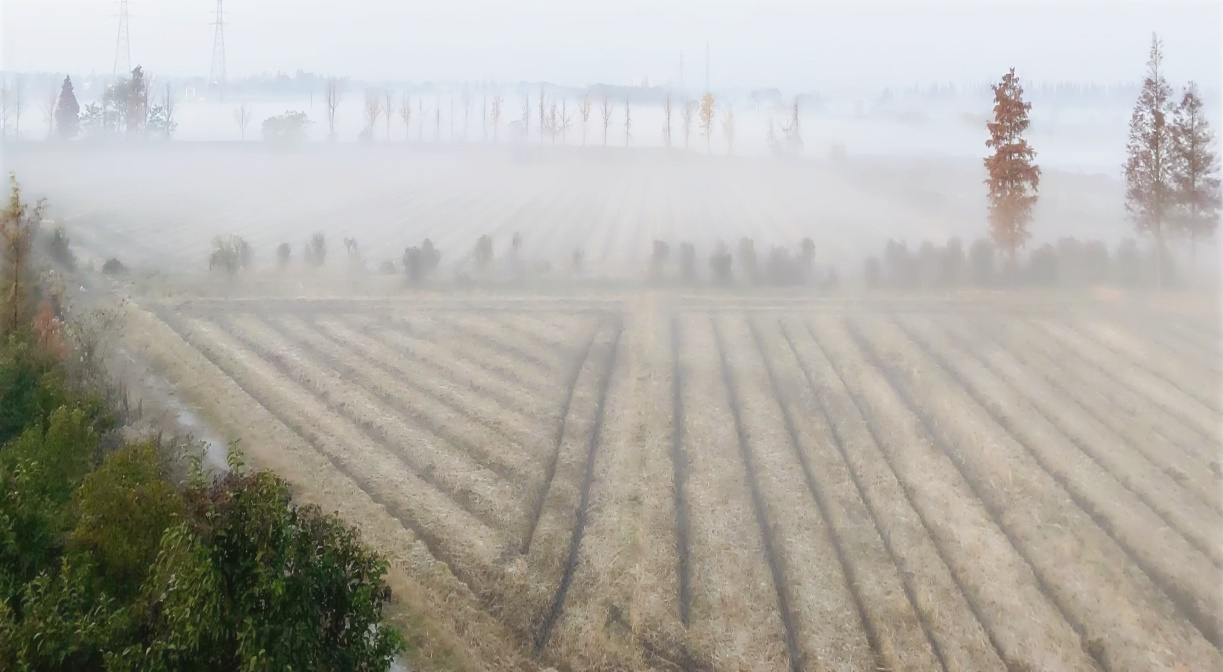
[(1149, 187), (67, 112), (1195, 170), (1013, 179)]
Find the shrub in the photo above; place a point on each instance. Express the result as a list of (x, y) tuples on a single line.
[(114, 267), (871, 273), (658, 258), (687, 262), (430, 257), (981, 260), (951, 262), (59, 249), (483, 252), (283, 252), (747, 258), (577, 260), (286, 130), (808, 256), (230, 254), (1043, 266), (413, 265), (783, 268), (720, 264), (1129, 263), (316, 250)]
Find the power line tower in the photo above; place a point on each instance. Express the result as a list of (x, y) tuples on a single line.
[(123, 46), (216, 78)]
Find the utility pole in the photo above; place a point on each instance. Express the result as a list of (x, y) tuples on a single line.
[(217, 76), (123, 46)]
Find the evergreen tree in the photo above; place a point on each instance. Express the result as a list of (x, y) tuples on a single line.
[(1149, 189), (1013, 179), (137, 102), (67, 112), (1195, 170)]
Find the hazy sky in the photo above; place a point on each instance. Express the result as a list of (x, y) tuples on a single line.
[(788, 43)]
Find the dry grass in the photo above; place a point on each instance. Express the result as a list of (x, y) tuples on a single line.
[(937, 530), (1093, 581)]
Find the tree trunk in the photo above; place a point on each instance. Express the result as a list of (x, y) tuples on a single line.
[(1159, 256)]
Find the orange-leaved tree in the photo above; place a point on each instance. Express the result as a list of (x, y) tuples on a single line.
[(1014, 179), (1150, 193)]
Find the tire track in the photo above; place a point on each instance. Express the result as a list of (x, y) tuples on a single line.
[(772, 557), (679, 464), (872, 635), (537, 505), (596, 434)]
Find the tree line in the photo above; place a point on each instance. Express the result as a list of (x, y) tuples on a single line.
[(114, 555)]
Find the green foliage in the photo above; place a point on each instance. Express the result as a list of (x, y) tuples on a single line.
[(67, 112), (31, 386), (113, 266), (241, 584), (59, 248), (286, 130), (123, 508), (230, 254)]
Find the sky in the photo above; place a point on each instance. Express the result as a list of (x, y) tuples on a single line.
[(792, 44)]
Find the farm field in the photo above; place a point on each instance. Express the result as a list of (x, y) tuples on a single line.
[(653, 481), (161, 206)]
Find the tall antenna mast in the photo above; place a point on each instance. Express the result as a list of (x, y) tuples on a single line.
[(216, 78), (123, 46)]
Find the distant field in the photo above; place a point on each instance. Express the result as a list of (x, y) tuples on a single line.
[(667, 483), (161, 206)]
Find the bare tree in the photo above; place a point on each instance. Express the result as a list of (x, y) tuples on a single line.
[(168, 107), (566, 119), (707, 117), (420, 126), (666, 127), (542, 107), (18, 103), (373, 110), (793, 130), (242, 115), (388, 104), (584, 108), (496, 114), (47, 107), (688, 113), (1149, 189), (405, 113), (728, 128), (526, 115), (554, 122), (333, 102), (437, 120), (606, 108), (628, 123), (466, 98), (484, 118)]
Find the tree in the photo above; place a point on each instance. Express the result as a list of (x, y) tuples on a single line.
[(287, 129), (628, 123), (17, 103), (1013, 179), (793, 131), (526, 116), (1195, 173), (373, 110), (437, 119), (566, 119), (316, 250), (242, 115), (161, 117), (47, 106), (606, 109), (707, 116), (688, 113), (388, 105), (420, 126), (666, 127), (728, 128), (230, 254), (496, 114), (584, 109), (405, 113), (137, 102), (465, 97), (19, 225), (484, 118), (1149, 186), (67, 112), (333, 102), (483, 252), (542, 121)]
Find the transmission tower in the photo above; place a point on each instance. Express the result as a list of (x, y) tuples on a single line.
[(123, 47), (217, 76)]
